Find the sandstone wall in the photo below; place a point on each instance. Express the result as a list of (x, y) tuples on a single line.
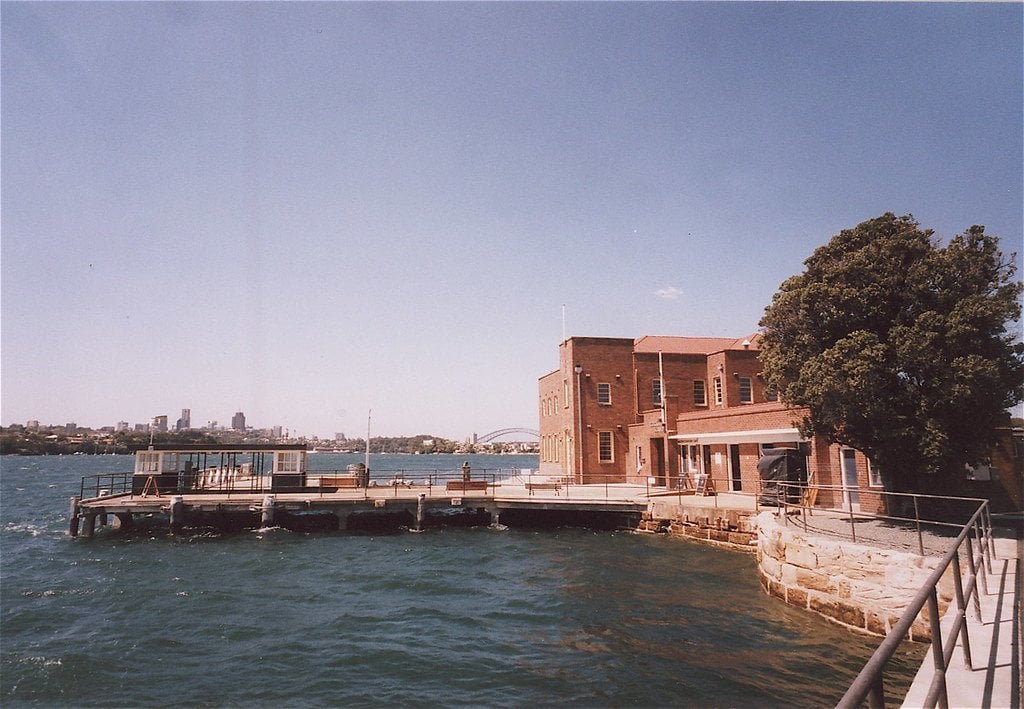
[(862, 587), (734, 529)]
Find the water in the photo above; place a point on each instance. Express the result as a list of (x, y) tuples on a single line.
[(453, 617)]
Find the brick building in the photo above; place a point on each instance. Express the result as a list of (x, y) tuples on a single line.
[(665, 409)]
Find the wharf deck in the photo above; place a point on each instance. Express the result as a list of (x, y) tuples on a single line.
[(415, 499)]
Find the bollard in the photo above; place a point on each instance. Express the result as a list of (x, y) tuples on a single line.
[(495, 518), (73, 517), (267, 512), (177, 513)]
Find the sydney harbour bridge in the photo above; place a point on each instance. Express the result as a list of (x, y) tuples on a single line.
[(503, 432)]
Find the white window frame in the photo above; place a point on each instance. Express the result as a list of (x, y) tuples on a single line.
[(602, 438), (147, 462), (719, 391), (288, 462), (607, 388), (657, 390)]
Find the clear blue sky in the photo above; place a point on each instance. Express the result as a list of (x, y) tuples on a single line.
[(304, 211)]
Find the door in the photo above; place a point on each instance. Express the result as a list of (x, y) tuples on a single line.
[(658, 461), (851, 493), (734, 467)]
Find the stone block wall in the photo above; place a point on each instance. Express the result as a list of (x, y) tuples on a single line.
[(735, 529), (862, 587)]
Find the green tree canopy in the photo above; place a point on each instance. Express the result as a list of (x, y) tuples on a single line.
[(900, 348)]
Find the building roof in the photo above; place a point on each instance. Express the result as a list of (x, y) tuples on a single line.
[(694, 345)]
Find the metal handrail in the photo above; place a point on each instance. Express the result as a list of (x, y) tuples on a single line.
[(791, 491), (868, 684)]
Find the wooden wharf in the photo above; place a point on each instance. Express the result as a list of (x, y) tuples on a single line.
[(266, 486), (270, 509)]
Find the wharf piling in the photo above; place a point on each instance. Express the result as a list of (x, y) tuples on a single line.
[(267, 511), (73, 516), (177, 514), (421, 511)]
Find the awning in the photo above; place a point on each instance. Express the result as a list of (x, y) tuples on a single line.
[(767, 435)]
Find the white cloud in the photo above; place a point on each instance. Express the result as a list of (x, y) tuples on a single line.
[(669, 293)]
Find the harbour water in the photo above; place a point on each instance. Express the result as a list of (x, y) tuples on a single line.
[(449, 617)]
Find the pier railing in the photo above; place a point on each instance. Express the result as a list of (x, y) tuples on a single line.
[(375, 483), (105, 484), (975, 546)]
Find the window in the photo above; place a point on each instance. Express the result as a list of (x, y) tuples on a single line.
[(605, 447), (718, 391), (700, 394), (565, 392), (688, 458), (287, 462), (147, 462), (746, 392), (656, 392), (874, 475), (604, 394)]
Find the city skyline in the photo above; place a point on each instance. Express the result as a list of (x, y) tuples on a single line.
[(311, 211)]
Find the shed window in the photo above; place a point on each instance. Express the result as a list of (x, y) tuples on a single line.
[(604, 394)]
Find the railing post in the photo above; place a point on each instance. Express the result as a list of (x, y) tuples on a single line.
[(986, 560), (938, 657), (990, 549), (973, 566), (876, 699), (917, 520), (961, 608), (853, 528)]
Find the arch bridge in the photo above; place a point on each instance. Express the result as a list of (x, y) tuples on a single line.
[(487, 438)]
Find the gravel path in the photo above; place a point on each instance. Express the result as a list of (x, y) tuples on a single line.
[(884, 534)]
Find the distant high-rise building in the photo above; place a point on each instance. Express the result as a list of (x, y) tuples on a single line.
[(185, 422), (238, 421), (121, 426), (71, 427), (276, 431), (160, 424)]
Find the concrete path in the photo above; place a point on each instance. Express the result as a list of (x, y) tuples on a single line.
[(995, 642)]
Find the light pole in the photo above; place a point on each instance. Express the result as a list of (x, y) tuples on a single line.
[(579, 419)]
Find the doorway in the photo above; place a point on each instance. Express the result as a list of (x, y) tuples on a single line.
[(851, 492), (658, 461), (734, 467)]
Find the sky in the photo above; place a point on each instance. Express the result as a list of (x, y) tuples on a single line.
[(308, 211)]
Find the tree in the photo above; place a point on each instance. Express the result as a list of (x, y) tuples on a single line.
[(900, 348)]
